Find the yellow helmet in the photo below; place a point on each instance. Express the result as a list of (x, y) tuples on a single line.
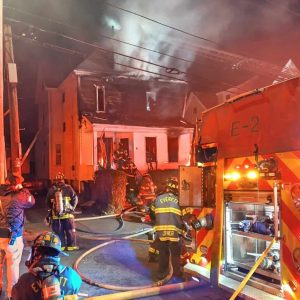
[(60, 176)]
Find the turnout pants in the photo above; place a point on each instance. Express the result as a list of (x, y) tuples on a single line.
[(167, 249), (65, 229), (11, 256)]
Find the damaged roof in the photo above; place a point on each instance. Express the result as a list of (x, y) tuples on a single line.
[(132, 101)]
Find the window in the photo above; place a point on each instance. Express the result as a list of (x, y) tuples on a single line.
[(173, 149), (58, 154), (151, 155), (125, 143), (150, 101), (100, 98)]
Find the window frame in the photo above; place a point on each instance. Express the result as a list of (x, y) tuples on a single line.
[(102, 88)]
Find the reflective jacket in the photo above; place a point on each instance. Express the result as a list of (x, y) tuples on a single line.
[(12, 205), (29, 285), (168, 217), (70, 200)]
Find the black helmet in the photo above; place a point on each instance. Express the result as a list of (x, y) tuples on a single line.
[(172, 185), (48, 239), (45, 250)]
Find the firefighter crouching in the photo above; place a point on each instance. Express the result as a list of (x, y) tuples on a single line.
[(13, 200), (167, 215), (47, 279), (62, 200)]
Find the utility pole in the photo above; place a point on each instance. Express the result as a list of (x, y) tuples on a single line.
[(2, 142), (11, 76)]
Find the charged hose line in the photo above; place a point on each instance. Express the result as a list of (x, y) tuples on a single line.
[(118, 217), (120, 226), (152, 291), (115, 287), (111, 236)]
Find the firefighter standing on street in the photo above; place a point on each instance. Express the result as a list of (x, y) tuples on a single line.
[(167, 215), (62, 200), (47, 278), (147, 192), (13, 200)]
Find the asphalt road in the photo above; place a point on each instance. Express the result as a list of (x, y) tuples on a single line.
[(121, 264)]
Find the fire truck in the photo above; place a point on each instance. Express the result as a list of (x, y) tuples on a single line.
[(244, 194)]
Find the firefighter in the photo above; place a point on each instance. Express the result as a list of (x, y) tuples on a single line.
[(167, 215), (62, 200), (47, 278), (147, 192), (13, 200)]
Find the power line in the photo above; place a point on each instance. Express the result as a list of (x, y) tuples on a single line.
[(74, 52), (160, 23), (216, 55), (100, 35), (92, 45), (168, 69), (70, 51)]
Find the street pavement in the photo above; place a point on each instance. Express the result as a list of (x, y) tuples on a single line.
[(120, 264)]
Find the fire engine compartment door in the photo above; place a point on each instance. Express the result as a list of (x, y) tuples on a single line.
[(190, 186)]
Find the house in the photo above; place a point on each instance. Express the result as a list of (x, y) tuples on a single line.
[(90, 107)]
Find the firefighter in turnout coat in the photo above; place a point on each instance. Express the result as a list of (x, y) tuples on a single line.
[(62, 201), (167, 215), (13, 200), (47, 278)]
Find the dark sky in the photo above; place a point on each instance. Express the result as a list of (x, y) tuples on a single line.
[(267, 30)]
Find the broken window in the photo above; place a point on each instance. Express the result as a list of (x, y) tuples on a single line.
[(150, 101), (100, 98), (173, 149)]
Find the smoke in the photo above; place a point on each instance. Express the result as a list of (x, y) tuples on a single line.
[(225, 22)]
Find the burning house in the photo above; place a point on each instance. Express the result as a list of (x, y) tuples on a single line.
[(91, 109)]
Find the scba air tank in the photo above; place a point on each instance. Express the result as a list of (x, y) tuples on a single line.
[(59, 203), (51, 288)]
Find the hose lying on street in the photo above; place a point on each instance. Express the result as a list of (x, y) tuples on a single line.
[(151, 291), (118, 217), (115, 287)]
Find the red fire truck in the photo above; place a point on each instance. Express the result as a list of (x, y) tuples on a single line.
[(245, 194)]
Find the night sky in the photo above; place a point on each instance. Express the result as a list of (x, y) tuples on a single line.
[(59, 34)]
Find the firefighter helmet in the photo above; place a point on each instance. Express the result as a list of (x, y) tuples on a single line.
[(60, 176), (48, 239), (45, 250), (172, 185)]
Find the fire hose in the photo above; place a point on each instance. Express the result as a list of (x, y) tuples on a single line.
[(115, 287), (119, 218)]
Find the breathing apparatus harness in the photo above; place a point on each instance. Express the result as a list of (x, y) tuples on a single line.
[(59, 203), (45, 267)]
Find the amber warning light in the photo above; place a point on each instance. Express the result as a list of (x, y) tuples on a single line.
[(245, 171)]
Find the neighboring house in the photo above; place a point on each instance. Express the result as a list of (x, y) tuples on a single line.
[(143, 115), (289, 70), (193, 107)]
